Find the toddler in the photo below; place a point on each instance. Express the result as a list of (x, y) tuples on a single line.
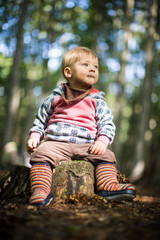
[(74, 122)]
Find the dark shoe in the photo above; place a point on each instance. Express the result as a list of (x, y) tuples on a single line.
[(45, 202), (120, 195)]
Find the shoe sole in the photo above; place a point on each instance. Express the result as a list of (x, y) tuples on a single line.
[(118, 195)]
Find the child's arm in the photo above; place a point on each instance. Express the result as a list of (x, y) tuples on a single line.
[(105, 128), (42, 117), (45, 111), (39, 126), (105, 125), (41, 121)]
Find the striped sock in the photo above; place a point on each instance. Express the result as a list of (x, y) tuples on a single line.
[(106, 176), (40, 180)]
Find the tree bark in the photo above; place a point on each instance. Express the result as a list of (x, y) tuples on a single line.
[(15, 186), (144, 132), (121, 101), (14, 91), (73, 177)]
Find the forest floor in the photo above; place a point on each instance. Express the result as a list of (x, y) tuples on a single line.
[(88, 219)]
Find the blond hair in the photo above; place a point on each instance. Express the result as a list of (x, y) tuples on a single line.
[(75, 55)]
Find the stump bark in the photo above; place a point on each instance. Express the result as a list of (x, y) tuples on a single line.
[(70, 178), (15, 186), (74, 177)]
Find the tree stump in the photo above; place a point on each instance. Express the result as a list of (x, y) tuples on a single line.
[(15, 186), (69, 178)]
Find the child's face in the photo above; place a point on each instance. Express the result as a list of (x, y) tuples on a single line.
[(84, 72)]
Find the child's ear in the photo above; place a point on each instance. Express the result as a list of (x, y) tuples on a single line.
[(67, 72)]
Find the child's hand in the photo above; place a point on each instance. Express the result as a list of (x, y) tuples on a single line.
[(98, 148), (31, 145)]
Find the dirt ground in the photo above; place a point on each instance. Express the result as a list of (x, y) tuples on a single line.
[(80, 218)]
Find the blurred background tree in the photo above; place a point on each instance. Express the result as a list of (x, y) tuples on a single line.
[(126, 37)]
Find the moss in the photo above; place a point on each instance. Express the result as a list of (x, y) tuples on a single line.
[(80, 168)]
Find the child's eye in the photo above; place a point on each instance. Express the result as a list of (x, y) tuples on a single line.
[(96, 66), (85, 64)]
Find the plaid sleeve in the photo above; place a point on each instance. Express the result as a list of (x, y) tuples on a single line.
[(45, 111), (104, 117)]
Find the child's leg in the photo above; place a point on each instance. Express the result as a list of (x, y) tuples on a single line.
[(41, 180), (106, 173), (48, 154), (108, 185)]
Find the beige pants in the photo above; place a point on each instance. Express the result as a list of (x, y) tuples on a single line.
[(54, 152)]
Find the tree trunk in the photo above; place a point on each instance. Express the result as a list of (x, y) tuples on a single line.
[(14, 91), (144, 132), (121, 101), (70, 178)]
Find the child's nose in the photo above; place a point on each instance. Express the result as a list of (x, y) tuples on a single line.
[(92, 69)]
